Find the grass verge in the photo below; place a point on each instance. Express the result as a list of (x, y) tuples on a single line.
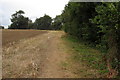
[(89, 56)]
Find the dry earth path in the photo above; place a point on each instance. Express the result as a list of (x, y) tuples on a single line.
[(36, 57)]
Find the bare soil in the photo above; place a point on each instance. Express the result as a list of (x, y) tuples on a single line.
[(11, 36), (40, 56)]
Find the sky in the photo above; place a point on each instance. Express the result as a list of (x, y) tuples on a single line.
[(32, 8)]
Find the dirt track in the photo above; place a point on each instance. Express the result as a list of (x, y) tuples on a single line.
[(36, 57)]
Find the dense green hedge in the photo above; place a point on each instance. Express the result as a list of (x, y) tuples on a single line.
[(98, 24)]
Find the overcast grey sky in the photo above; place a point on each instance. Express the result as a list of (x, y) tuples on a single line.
[(32, 8)]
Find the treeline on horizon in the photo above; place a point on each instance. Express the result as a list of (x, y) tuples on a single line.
[(98, 24), (19, 21)]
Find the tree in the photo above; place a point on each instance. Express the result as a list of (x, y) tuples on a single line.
[(76, 21), (30, 24), (43, 23), (98, 24), (19, 21), (57, 23), (1, 27), (109, 23)]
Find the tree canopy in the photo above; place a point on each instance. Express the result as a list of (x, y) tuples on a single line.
[(19, 21), (43, 23)]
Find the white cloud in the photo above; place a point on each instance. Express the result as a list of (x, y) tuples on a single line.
[(32, 8)]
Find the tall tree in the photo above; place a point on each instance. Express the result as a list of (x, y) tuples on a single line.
[(43, 23), (76, 21), (19, 21)]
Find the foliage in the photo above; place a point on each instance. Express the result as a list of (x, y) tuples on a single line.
[(1, 27), (96, 23), (19, 21), (108, 20), (57, 23), (88, 55), (76, 21), (43, 23)]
